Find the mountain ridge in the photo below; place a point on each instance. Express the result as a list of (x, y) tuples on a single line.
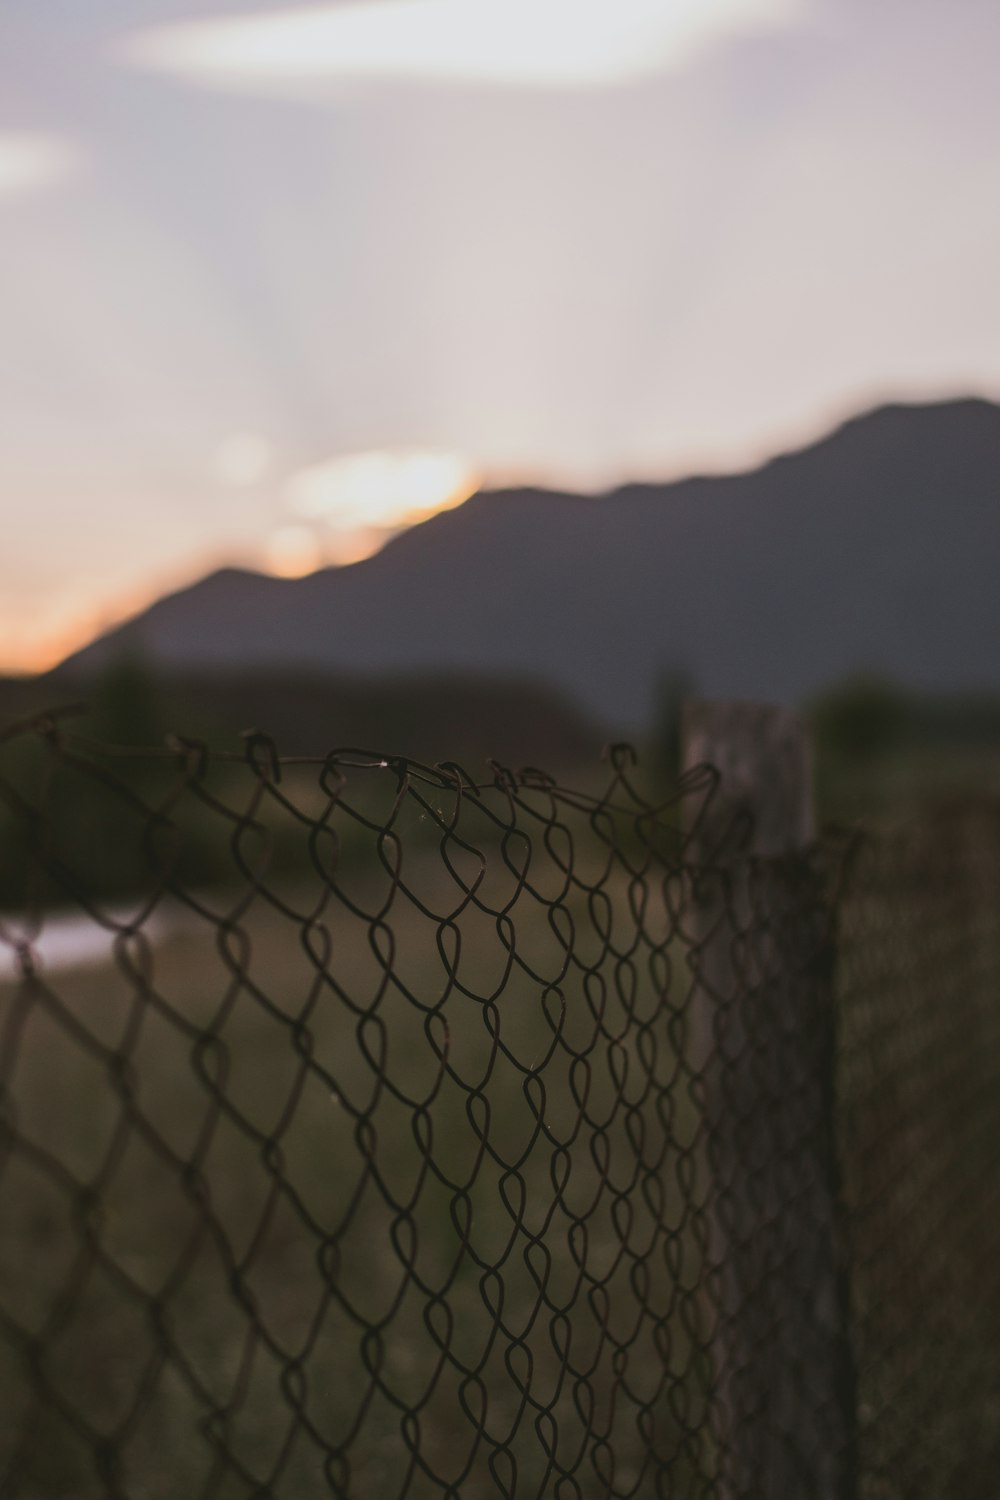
[(873, 548)]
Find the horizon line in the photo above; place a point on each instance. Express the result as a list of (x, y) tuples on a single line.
[(64, 644)]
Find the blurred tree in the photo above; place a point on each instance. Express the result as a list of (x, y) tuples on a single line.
[(673, 686), (126, 704), (860, 719)]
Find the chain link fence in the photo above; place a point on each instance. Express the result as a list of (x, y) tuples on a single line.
[(370, 1130), (919, 1138)]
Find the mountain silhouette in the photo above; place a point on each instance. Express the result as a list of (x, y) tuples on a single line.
[(875, 549)]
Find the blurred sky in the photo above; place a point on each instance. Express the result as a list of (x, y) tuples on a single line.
[(263, 268)]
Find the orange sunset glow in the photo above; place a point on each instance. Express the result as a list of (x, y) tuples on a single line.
[(349, 508), (330, 514)]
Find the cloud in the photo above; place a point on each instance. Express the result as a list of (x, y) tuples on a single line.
[(28, 162), (533, 43)]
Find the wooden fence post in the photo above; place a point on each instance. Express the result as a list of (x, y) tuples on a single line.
[(761, 1046)]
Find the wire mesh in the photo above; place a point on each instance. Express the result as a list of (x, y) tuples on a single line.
[(369, 1130), (919, 1127)]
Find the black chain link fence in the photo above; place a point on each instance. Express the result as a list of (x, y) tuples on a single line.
[(368, 1131), (919, 1137)]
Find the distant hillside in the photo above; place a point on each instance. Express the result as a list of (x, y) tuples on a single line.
[(428, 718), (876, 549)]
